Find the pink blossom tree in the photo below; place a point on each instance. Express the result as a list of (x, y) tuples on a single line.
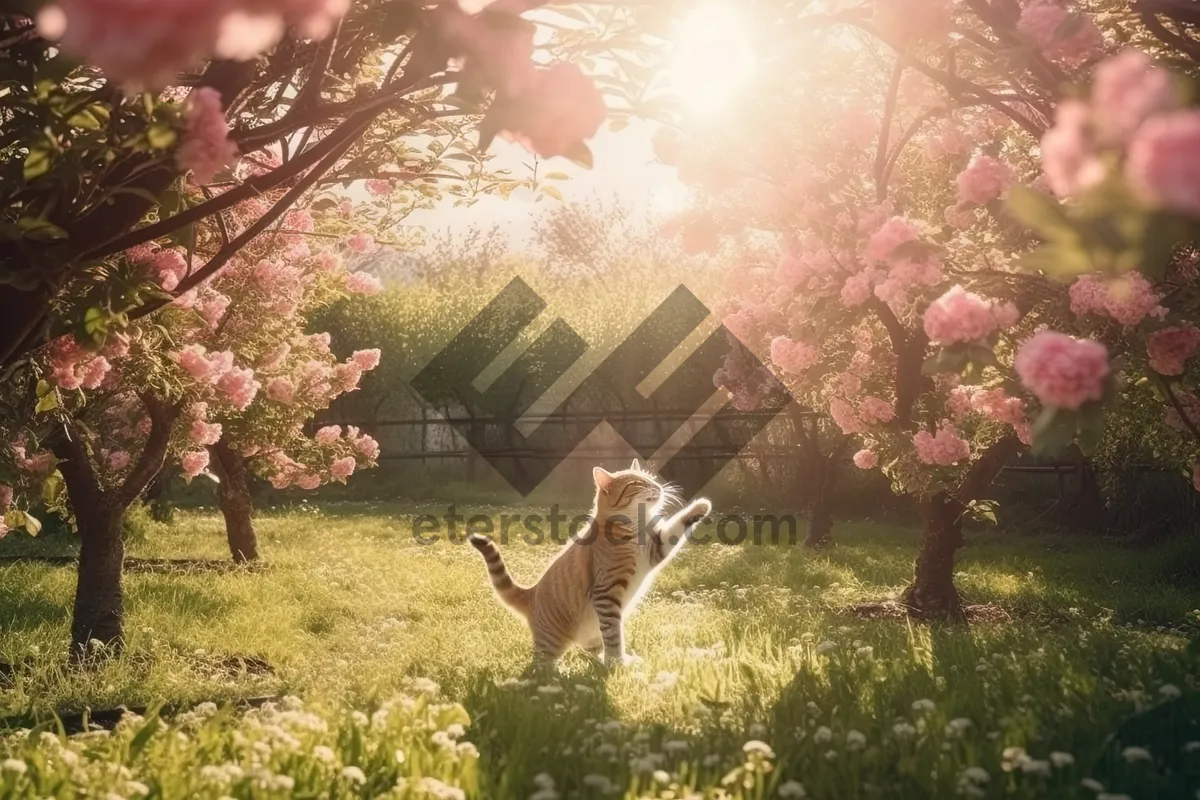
[(908, 297)]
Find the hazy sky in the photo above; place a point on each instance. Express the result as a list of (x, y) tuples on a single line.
[(624, 167)]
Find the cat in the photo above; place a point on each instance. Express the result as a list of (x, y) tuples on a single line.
[(597, 579)]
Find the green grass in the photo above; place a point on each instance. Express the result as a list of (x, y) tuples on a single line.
[(735, 644)]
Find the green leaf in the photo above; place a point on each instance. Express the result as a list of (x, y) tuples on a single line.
[(553, 192), (160, 137), (92, 118), (557, 176), (142, 738), (1041, 213), (1053, 431), (40, 230), (581, 154), (1061, 260), (47, 403), (52, 489), (38, 162)]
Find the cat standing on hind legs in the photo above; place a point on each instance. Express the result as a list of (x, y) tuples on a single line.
[(596, 581)]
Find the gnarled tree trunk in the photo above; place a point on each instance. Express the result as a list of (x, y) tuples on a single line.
[(932, 594), (824, 475), (99, 610), (233, 495)]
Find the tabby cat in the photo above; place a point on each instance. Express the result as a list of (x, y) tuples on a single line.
[(595, 582)]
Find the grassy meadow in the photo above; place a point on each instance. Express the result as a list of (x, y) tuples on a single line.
[(755, 675)]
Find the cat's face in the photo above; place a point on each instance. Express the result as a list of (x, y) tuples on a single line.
[(623, 491)]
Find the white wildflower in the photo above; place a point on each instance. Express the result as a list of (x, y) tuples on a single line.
[(424, 686), (14, 765), (1169, 691), (923, 705), (823, 735), (1092, 784), (866, 651), (975, 775), (399, 756), (826, 647), (661, 776), (1035, 766), (856, 740), (1132, 754), (792, 789), (1060, 759), (957, 726), (757, 730), (543, 781), (903, 730), (754, 746), (324, 754), (354, 775), (550, 691)]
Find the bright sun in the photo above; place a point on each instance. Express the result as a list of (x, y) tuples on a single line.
[(713, 57)]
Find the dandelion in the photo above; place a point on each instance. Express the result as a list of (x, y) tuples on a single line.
[(1061, 759), (354, 774), (1132, 754), (856, 740), (792, 789), (823, 735)]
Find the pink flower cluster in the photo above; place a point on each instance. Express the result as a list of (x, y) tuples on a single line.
[(119, 460), (994, 404), (792, 356), (866, 459), (6, 496), (281, 390), (1069, 160), (962, 316), (342, 468), (143, 44), (203, 433), (1128, 299), (882, 245), (984, 179), (875, 411), (845, 417), (1170, 348), (328, 435), (239, 387), (1191, 410), (73, 367), (193, 463), (206, 148), (202, 366), (366, 360), (1062, 371), (944, 449), (1067, 36), (1163, 165), (363, 283), (560, 108), (1127, 90)]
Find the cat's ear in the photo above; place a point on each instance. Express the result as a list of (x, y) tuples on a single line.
[(603, 478), (635, 465)]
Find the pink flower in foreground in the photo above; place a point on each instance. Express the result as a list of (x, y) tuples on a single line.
[(118, 460), (1164, 161), (866, 459), (204, 367), (1067, 36), (193, 463), (1068, 158), (496, 45), (367, 360), (6, 496), (1170, 348), (342, 468), (911, 20), (329, 434), (944, 449), (281, 390), (984, 179), (1128, 299), (308, 481), (1062, 371), (206, 148), (363, 283), (203, 433), (143, 44), (559, 109), (348, 375), (794, 357), (379, 187), (239, 387), (1127, 90), (962, 316), (170, 267)]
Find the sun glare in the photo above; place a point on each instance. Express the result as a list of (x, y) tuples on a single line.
[(713, 57)]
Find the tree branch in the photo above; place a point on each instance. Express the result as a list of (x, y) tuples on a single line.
[(889, 110), (162, 419)]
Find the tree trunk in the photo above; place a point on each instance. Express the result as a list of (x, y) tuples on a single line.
[(99, 610), (161, 509), (233, 495), (820, 516), (932, 594)]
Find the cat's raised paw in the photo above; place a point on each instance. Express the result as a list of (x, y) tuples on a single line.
[(700, 509)]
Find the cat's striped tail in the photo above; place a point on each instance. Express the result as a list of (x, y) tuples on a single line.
[(515, 597)]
